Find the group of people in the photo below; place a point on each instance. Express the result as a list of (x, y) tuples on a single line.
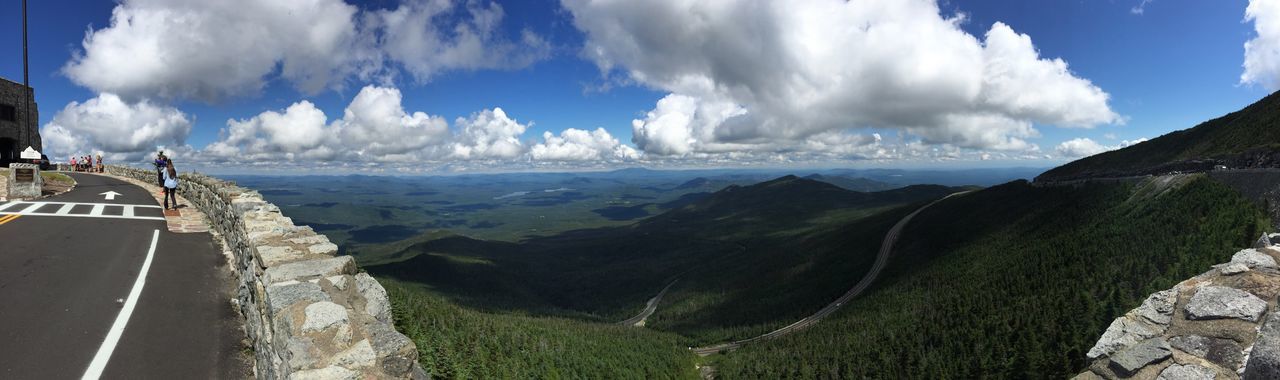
[(167, 176), (86, 164)]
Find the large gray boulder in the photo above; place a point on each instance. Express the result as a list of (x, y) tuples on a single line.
[(1187, 372), (1223, 352), (1158, 308), (1127, 362), (1254, 259), (1123, 332), (1220, 302), (1264, 360), (1263, 242)]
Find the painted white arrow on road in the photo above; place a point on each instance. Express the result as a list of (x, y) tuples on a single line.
[(111, 195)]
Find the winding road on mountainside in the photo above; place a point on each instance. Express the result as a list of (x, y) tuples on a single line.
[(649, 308), (882, 258)]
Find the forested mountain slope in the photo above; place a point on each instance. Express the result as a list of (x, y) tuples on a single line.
[(1249, 137), (1015, 281)]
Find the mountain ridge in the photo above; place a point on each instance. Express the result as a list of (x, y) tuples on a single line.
[(1246, 138)]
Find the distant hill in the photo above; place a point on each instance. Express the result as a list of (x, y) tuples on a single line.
[(694, 184), (852, 183), (783, 247), (1248, 138)]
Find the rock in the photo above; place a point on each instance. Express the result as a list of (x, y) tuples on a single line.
[(322, 315), (375, 297), (1263, 242), (1219, 302), (1187, 372), (327, 373), (1264, 360), (360, 355), (1254, 259), (1158, 308), (1128, 361), (1087, 375), (280, 296), (303, 270), (1123, 332), (325, 248), (1223, 352), (339, 282), (1233, 269), (397, 352), (309, 240), (270, 256)]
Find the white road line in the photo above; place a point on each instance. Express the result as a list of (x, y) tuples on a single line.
[(33, 207), (83, 216), (113, 336), (97, 210), (6, 205), (128, 211), (84, 203), (66, 209)]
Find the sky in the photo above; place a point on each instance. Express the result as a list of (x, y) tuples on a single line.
[(419, 86)]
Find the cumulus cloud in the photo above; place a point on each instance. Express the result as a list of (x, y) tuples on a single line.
[(747, 74), (212, 50), (300, 132), (375, 127), (420, 37), (579, 145), (488, 134), (1083, 147), (120, 130), (1262, 53)]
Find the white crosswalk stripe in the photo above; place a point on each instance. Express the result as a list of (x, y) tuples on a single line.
[(89, 210)]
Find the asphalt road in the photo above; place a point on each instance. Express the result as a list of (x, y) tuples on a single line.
[(69, 272), (882, 258), (649, 307)]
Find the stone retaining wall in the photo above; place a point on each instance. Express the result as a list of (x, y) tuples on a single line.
[(1221, 324), (308, 313)]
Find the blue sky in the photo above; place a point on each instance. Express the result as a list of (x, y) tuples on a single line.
[(1174, 65)]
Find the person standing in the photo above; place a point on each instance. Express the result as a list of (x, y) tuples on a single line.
[(100, 166), (160, 164), (74, 167), (170, 178)]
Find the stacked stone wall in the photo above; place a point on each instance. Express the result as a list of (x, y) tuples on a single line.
[(1221, 324), (308, 312)]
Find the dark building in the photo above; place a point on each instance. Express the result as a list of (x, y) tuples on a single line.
[(17, 131)]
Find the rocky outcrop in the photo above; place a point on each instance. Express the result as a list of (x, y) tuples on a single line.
[(1222, 324), (308, 313)]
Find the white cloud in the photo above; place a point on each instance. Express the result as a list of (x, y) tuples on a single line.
[(580, 145), (1141, 8), (213, 50), (123, 131), (374, 128), (488, 134), (770, 75), (1083, 146), (376, 125), (297, 133), (419, 36), (1262, 53)]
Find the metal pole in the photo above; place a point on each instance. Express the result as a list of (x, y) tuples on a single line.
[(25, 83)]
